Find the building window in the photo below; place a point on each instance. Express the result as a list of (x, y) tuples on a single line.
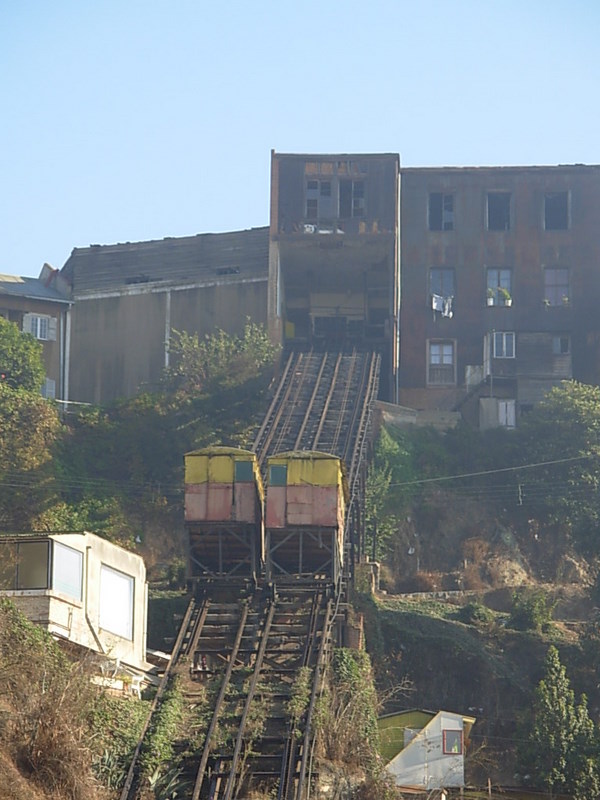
[(441, 212), (278, 475), (352, 199), (441, 282), (498, 211), (506, 413), (556, 211), (116, 602), (561, 345), (499, 287), (41, 326), (453, 742), (504, 344), (441, 364), (556, 287), (319, 200)]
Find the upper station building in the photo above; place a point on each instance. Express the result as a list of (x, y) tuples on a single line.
[(333, 252)]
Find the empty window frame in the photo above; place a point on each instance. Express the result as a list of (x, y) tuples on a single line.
[(556, 211), (441, 282), (499, 286), (504, 344), (441, 363), (452, 742), (441, 212), (498, 211), (561, 345), (556, 286), (352, 199)]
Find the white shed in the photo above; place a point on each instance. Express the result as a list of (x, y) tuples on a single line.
[(81, 588)]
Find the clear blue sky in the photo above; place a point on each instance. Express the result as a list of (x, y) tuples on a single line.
[(125, 120)]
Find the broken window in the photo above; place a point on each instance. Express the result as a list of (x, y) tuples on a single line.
[(498, 211), (499, 287), (556, 287), (441, 363), (504, 344), (441, 212), (352, 199), (556, 211), (319, 200)]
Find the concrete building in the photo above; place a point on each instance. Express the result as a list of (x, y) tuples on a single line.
[(128, 298), (82, 589), (41, 307), (500, 287), (333, 253)]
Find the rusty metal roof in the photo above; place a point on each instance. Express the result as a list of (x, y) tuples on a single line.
[(181, 261)]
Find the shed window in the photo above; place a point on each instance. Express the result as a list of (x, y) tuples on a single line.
[(116, 602), (32, 567), (453, 742), (67, 570)]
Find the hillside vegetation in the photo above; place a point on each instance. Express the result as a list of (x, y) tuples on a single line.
[(488, 544)]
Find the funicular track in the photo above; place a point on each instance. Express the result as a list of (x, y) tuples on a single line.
[(248, 649)]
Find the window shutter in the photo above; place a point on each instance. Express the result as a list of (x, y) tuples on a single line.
[(52, 329), (27, 323)]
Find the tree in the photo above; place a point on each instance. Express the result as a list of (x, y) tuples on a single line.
[(20, 358), (218, 361), (564, 428), (562, 748)]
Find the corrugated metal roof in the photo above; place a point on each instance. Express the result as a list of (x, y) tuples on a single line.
[(31, 288), (233, 256)]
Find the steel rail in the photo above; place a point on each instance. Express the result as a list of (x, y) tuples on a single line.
[(215, 717), (315, 443), (316, 684), (311, 403), (230, 785), (275, 401), (183, 630)]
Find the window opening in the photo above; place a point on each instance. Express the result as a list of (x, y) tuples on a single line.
[(441, 281), (441, 212), (32, 566), (498, 211), (352, 198), (556, 287), (441, 364), (453, 742), (278, 475), (556, 211), (561, 345), (67, 570), (504, 344), (499, 287), (116, 602)]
